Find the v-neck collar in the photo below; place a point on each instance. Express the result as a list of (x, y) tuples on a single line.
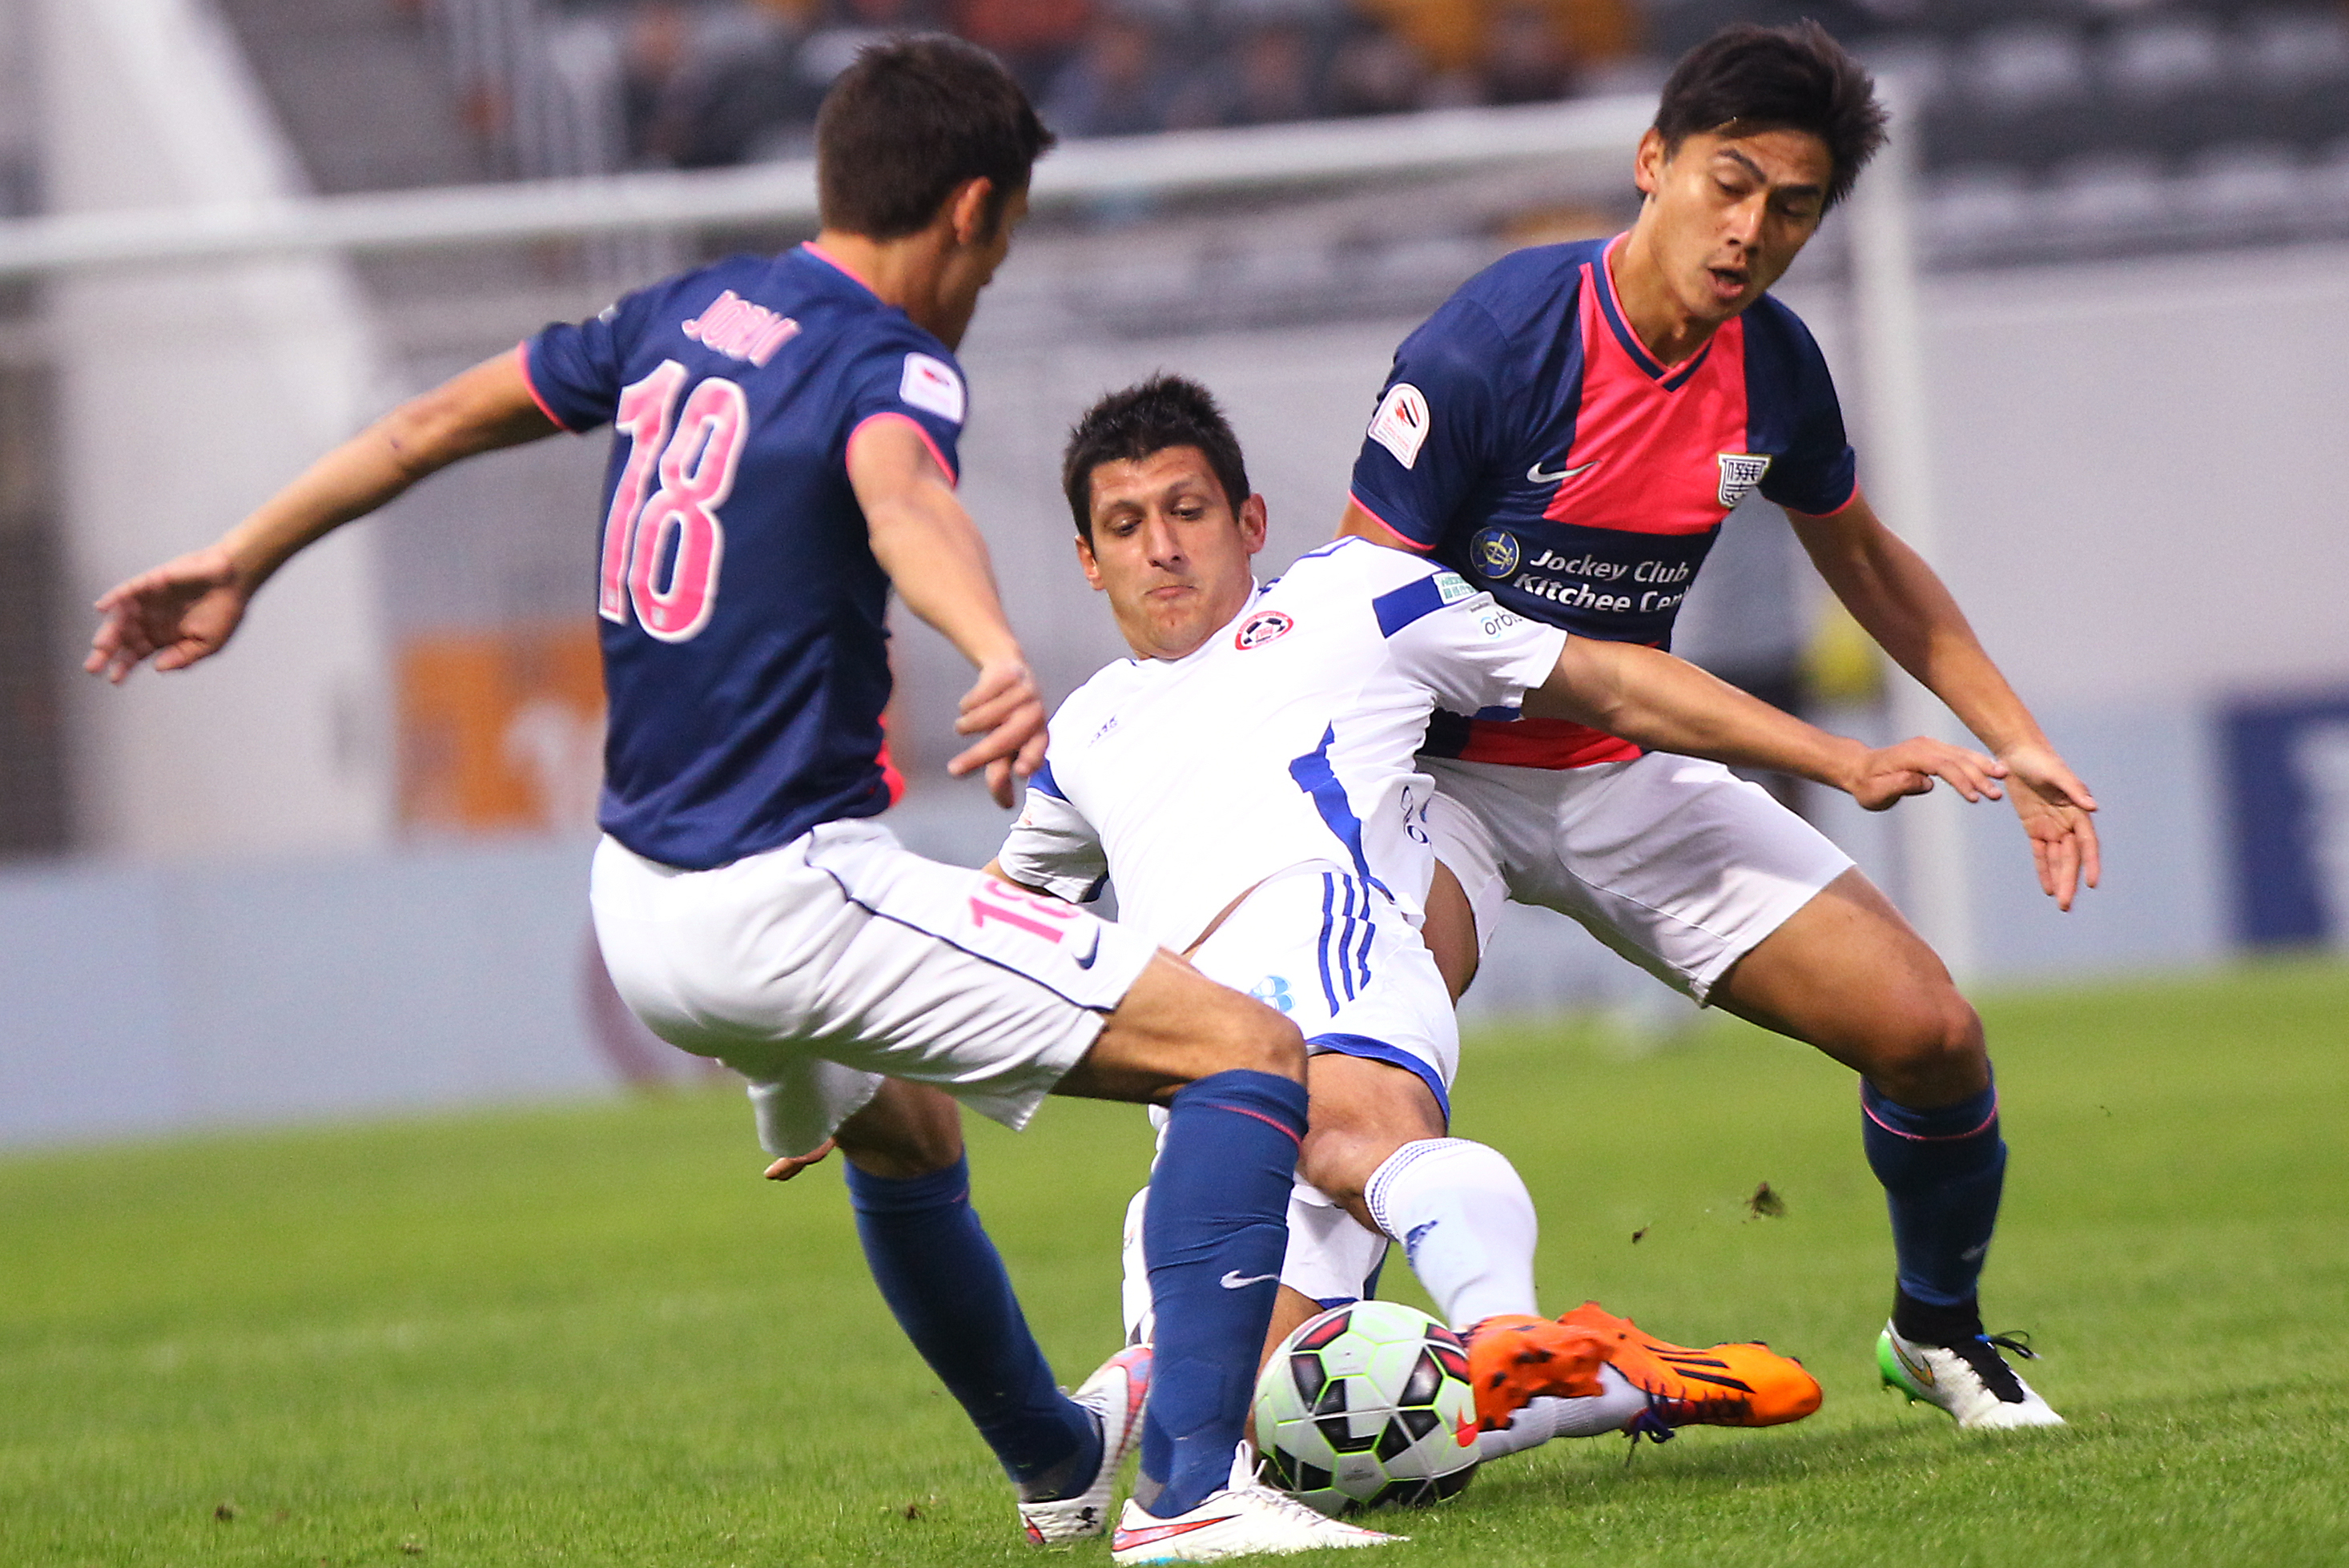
[(1670, 377)]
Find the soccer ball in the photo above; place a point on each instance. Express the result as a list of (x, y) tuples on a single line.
[(1366, 1405)]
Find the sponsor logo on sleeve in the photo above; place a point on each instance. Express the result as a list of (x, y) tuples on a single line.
[(1450, 587), (1263, 628), (733, 326), (1400, 424), (1496, 551), (932, 385), (1740, 472)]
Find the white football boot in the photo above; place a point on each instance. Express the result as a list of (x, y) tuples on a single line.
[(1245, 1519), (1115, 1395), (1971, 1381)]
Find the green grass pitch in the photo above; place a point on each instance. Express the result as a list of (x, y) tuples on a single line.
[(592, 1336)]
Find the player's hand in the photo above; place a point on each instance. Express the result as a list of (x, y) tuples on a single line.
[(181, 610), (2055, 809), (1894, 772), (1004, 709), (790, 1165)]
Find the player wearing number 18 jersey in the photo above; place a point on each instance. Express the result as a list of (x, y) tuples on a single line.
[(784, 457), (736, 392)]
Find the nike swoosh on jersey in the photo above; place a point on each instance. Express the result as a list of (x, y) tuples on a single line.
[(1233, 1281), (1543, 477), (1087, 961)]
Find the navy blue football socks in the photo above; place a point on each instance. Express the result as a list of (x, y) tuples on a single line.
[(942, 1278), (1214, 1234), (1943, 1170)]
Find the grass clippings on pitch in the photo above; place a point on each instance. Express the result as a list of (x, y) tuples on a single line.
[(593, 1337)]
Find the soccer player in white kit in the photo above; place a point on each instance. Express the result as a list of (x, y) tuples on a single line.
[(784, 457), (1247, 780)]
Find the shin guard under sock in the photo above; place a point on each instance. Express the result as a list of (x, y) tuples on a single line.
[(1214, 1232), (1466, 1222), (945, 1282), (1943, 1171)]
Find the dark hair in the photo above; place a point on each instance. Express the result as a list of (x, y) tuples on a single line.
[(911, 120), (1129, 426), (1777, 79)]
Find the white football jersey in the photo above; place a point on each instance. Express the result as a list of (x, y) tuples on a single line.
[(1288, 736)]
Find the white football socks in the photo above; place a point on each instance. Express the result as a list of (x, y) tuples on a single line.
[(1466, 1222), (1615, 1406)]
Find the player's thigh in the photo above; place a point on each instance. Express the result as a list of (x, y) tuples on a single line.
[(1174, 1026), (1677, 864), (1847, 973), (1464, 904), (820, 969), (1341, 962)]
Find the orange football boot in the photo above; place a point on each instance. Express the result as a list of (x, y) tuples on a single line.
[(1513, 1358), (1738, 1385)]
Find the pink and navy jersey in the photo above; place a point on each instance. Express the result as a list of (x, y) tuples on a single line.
[(745, 654), (1528, 440)]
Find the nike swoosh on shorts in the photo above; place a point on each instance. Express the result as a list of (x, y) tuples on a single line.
[(1232, 1279)]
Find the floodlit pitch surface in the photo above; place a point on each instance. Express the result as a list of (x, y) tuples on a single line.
[(594, 1336)]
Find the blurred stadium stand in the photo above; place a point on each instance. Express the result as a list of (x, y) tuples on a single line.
[(2134, 216), (2051, 128)]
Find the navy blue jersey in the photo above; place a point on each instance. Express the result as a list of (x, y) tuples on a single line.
[(745, 650), (1527, 438)]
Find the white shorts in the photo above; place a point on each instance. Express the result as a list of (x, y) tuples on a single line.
[(820, 968), (1346, 968), (1679, 865), (1354, 976)]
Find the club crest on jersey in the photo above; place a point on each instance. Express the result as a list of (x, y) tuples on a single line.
[(1268, 625), (733, 326), (1495, 549), (1740, 472), (1400, 424)]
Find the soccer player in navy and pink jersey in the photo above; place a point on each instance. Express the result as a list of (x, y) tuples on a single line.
[(1569, 431), (784, 457)]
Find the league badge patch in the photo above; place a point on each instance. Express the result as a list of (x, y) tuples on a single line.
[(1400, 424), (1740, 472), (931, 384), (1496, 552)]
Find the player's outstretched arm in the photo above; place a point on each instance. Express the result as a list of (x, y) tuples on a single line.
[(1904, 606), (187, 609), (1649, 697), (934, 554)]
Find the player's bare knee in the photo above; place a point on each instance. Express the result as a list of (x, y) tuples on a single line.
[(1930, 1050), (907, 1130)]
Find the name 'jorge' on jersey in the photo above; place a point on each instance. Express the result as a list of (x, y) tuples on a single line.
[(1287, 737), (1527, 438), (742, 610)]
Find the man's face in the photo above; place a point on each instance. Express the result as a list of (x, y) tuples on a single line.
[(1169, 550), (1730, 212), (971, 265)]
